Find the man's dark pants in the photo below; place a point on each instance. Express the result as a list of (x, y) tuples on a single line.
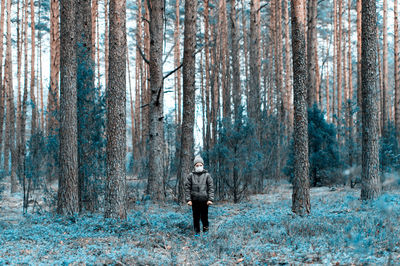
[(200, 211)]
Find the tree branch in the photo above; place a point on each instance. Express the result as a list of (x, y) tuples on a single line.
[(143, 55), (173, 71), (261, 7), (145, 19)]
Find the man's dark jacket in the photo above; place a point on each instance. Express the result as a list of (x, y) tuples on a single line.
[(199, 187)]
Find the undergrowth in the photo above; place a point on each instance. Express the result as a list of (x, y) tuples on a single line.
[(340, 229)]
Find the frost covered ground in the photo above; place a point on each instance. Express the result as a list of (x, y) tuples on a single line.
[(262, 230)]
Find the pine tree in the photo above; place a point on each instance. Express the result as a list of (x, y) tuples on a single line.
[(370, 177), (189, 74), (68, 201), (301, 186), (155, 185), (86, 98), (115, 198)]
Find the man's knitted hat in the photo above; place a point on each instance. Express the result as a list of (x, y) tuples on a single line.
[(198, 159)]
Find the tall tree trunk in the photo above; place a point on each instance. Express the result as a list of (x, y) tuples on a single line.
[(155, 186), (53, 98), (86, 103), (245, 53), (189, 75), (40, 71), (203, 98), (311, 60), (116, 114), (380, 79), (334, 63), (396, 71), (138, 81), (145, 93), (327, 96), (98, 54), (106, 42), (9, 146), (215, 95), (207, 75), (288, 77), (19, 67), (2, 88), (33, 74), (359, 94), (53, 109), (132, 110), (339, 61), (385, 87), (94, 22), (68, 198), (226, 94), (301, 186), (254, 85), (350, 84), (22, 141), (279, 83), (317, 73), (177, 60), (370, 178), (236, 86)]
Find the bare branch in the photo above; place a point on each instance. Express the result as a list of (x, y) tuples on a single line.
[(173, 71), (143, 55), (261, 7)]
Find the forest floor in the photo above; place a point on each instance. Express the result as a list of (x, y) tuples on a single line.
[(261, 230)]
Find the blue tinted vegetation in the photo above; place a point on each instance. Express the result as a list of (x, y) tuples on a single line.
[(340, 229)]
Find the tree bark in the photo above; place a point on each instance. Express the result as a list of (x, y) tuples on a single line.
[(207, 75), (138, 81), (19, 67), (68, 198), (22, 129), (9, 147), (115, 197), (2, 88), (53, 98), (33, 74), (370, 178), (86, 103), (94, 21), (334, 63), (385, 87), (350, 88), (106, 42), (254, 84), (245, 54), (396, 71), (281, 112), (339, 61), (155, 186), (359, 94), (177, 60), (226, 93), (189, 75), (288, 77), (311, 55), (327, 96), (236, 86), (301, 186)]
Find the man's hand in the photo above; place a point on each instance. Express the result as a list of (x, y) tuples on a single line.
[(189, 203), (209, 202)]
